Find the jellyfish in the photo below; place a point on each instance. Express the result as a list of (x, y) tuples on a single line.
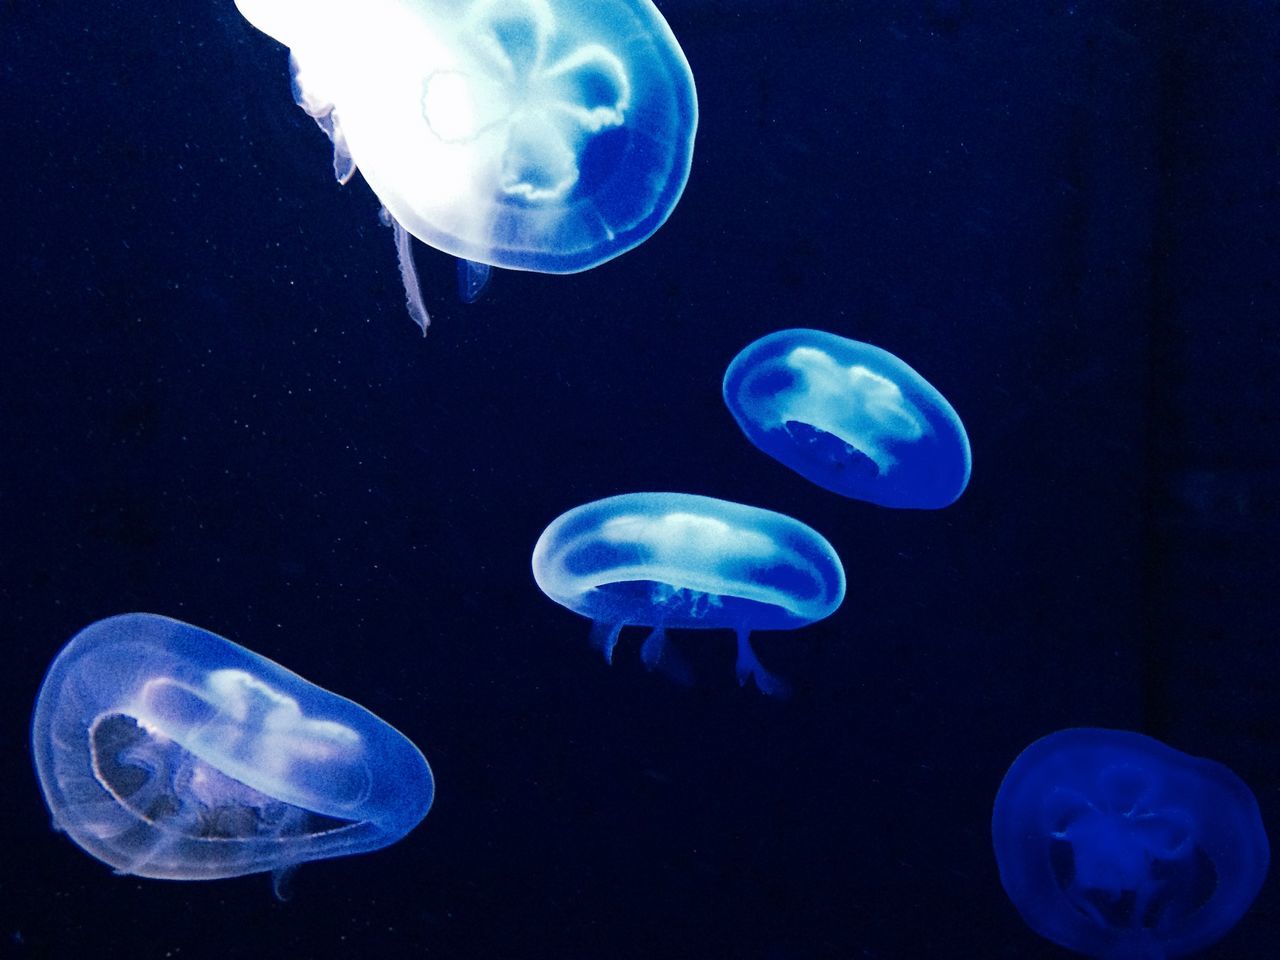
[(663, 560), (850, 417), (543, 135), (1117, 846), (167, 751)]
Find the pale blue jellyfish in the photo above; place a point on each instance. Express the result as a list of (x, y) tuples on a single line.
[(167, 751), (546, 135), (850, 417), (664, 560), (1116, 846)]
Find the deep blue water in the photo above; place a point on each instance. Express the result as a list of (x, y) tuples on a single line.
[(215, 407)]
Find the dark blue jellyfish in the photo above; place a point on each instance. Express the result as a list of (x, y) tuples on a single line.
[(850, 417), (1114, 845), (167, 751), (546, 135), (664, 560)]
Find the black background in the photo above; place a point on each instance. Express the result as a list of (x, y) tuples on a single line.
[(215, 407)]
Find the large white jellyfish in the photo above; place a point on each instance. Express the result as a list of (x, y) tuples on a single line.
[(545, 135)]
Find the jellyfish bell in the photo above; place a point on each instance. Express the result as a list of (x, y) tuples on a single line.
[(543, 135), (680, 560), (1118, 846), (169, 752), (850, 417)]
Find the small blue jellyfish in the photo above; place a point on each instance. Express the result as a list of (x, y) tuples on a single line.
[(545, 135), (1116, 846), (850, 417), (167, 751), (678, 560)]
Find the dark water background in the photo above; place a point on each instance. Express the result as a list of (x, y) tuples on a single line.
[(215, 407)]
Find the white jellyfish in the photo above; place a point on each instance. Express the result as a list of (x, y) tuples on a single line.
[(544, 135)]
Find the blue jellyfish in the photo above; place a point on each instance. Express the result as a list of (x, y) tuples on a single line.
[(850, 417), (1114, 845), (664, 560), (545, 135), (167, 751)]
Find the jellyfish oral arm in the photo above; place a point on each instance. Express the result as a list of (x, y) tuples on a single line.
[(657, 653), (604, 637), (408, 273), (749, 667), (473, 277), (320, 110)]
